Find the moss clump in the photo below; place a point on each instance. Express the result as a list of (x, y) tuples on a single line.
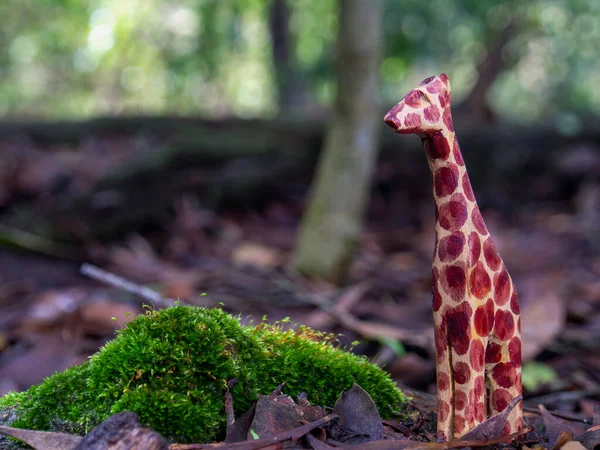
[(171, 367)]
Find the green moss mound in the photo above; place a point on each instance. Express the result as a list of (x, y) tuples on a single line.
[(172, 367)]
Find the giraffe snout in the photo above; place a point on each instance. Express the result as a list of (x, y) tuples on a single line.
[(392, 120)]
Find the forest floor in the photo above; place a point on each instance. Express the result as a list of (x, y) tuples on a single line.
[(240, 256)]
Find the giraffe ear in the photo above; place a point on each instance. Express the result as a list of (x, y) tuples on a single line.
[(444, 78)]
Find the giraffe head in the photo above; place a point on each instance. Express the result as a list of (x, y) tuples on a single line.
[(425, 110)]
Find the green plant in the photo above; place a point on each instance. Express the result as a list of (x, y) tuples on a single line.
[(172, 367)]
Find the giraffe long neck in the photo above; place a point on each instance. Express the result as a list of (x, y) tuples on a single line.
[(477, 328), (456, 207)]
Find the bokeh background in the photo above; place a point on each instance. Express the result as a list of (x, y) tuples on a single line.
[(80, 59), (175, 143)]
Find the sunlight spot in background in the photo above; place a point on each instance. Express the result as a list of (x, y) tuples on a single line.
[(116, 46), (182, 21), (250, 89), (101, 38), (554, 18), (183, 24)]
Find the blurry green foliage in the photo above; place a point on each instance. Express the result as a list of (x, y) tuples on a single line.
[(536, 375), (73, 58)]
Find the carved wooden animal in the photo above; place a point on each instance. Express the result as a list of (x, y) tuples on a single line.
[(475, 305)]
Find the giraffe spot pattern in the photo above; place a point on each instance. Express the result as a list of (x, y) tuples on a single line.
[(475, 409), (458, 158), (468, 190), (462, 372), (459, 424), (514, 350), (477, 355), (443, 381), (478, 388), (447, 116), (460, 400), (492, 258), (480, 283), (434, 87), (443, 410), (504, 325), (484, 318), (518, 424), (438, 148), (502, 285), (504, 374), (454, 282), (444, 98), (474, 248), (450, 247), (493, 353), (431, 113), (478, 221), (414, 98), (458, 327), (453, 214), (412, 121), (514, 302), (500, 399), (479, 411), (445, 180), (426, 81), (441, 342)]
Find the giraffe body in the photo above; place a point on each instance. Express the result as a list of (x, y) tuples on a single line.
[(475, 305)]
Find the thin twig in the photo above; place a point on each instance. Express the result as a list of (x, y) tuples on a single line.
[(562, 415), (119, 282), (293, 434)]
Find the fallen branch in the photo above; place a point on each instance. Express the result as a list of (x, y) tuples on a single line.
[(119, 282)]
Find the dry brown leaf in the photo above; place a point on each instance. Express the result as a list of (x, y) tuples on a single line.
[(573, 445), (253, 254), (543, 313), (43, 440)]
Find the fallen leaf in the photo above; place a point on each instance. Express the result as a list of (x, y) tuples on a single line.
[(492, 427), (590, 439), (573, 445), (275, 414), (543, 313), (43, 440), (555, 426), (359, 420), (239, 430), (122, 431)]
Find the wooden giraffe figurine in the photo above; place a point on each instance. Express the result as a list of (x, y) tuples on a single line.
[(475, 305)]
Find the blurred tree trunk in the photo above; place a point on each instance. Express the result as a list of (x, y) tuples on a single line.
[(488, 70), (332, 222), (290, 89)]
